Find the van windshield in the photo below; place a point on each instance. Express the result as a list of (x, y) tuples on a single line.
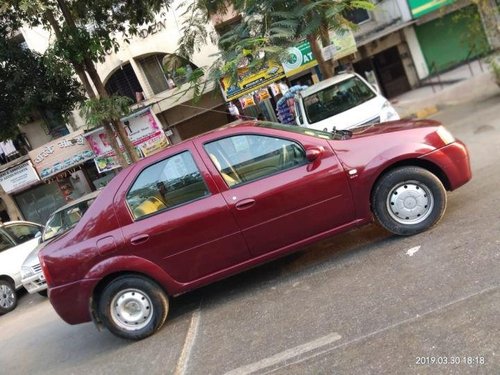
[(336, 99)]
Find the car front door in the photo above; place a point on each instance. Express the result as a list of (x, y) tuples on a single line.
[(277, 196), (173, 215)]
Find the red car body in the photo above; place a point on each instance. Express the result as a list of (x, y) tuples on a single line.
[(234, 228)]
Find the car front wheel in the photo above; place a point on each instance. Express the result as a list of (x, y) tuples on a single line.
[(408, 200), (8, 297), (133, 307)]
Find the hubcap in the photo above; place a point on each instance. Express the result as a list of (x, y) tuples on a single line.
[(410, 202), (131, 309), (7, 296)]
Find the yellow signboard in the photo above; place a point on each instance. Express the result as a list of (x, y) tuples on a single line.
[(248, 82)]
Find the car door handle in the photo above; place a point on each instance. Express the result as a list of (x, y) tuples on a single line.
[(244, 204), (139, 239)]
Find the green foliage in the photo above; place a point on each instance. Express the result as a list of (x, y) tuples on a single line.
[(266, 29), (32, 82), (103, 110)]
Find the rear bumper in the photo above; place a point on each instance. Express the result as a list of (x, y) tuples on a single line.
[(454, 161), (72, 301)]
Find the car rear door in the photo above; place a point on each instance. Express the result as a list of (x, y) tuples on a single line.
[(173, 214), (277, 196)]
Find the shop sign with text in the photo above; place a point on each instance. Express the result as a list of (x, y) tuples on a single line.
[(249, 82), (19, 177), (343, 44), (420, 8), (300, 58), (61, 154)]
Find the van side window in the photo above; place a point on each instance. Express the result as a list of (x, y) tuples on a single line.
[(245, 158), (166, 184)]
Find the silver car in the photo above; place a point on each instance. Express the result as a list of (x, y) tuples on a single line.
[(60, 222)]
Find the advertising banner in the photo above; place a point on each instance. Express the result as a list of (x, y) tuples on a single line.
[(144, 131), (300, 58), (420, 8), (19, 177), (344, 42), (248, 82), (61, 154)]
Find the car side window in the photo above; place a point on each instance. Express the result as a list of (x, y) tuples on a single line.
[(22, 232), (5, 242), (166, 184), (245, 158)]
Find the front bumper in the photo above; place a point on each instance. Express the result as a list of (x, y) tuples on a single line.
[(454, 161), (35, 283)]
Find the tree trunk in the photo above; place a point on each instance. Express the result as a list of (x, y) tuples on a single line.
[(114, 144), (324, 67)]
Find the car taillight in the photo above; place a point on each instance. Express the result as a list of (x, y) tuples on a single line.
[(45, 271)]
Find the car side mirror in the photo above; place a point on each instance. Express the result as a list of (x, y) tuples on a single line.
[(313, 153)]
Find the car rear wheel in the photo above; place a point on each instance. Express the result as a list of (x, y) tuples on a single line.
[(8, 297), (133, 307), (408, 200)]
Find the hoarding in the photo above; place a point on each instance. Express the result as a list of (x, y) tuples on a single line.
[(61, 154), (248, 82), (420, 8), (19, 177)]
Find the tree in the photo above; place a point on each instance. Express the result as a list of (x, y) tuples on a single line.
[(32, 82), (85, 30), (266, 30)]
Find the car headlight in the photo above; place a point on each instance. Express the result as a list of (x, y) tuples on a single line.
[(445, 135), (26, 272), (388, 113)]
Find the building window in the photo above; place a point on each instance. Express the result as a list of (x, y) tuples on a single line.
[(153, 70), (124, 82), (357, 16)]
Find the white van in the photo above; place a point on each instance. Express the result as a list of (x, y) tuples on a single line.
[(344, 102)]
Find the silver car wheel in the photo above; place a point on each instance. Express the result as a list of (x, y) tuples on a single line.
[(131, 309), (7, 296), (410, 202)]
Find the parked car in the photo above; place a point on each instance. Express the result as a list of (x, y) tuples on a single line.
[(343, 102), (17, 240), (61, 221), (234, 198)]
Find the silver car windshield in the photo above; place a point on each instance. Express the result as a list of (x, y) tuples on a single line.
[(63, 220), (336, 99)]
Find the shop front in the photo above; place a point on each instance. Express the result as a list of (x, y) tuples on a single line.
[(64, 173)]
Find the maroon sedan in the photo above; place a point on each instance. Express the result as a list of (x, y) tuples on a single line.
[(239, 196)]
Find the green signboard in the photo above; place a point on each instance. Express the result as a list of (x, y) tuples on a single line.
[(300, 58), (420, 8)]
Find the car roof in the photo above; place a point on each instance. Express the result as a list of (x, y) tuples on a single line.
[(326, 83), (83, 198), (7, 223)]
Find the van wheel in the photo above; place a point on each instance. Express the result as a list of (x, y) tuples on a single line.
[(8, 297), (133, 307), (408, 200)]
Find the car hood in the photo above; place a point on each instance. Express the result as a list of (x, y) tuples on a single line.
[(32, 258), (392, 127)]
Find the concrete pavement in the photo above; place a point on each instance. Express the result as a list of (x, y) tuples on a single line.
[(466, 83)]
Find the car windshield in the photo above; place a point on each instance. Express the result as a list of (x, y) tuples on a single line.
[(336, 99), (62, 221)]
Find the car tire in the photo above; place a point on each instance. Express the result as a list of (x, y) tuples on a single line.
[(133, 307), (408, 200), (43, 293), (8, 297)]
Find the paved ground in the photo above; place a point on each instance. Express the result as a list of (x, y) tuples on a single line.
[(362, 303)]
